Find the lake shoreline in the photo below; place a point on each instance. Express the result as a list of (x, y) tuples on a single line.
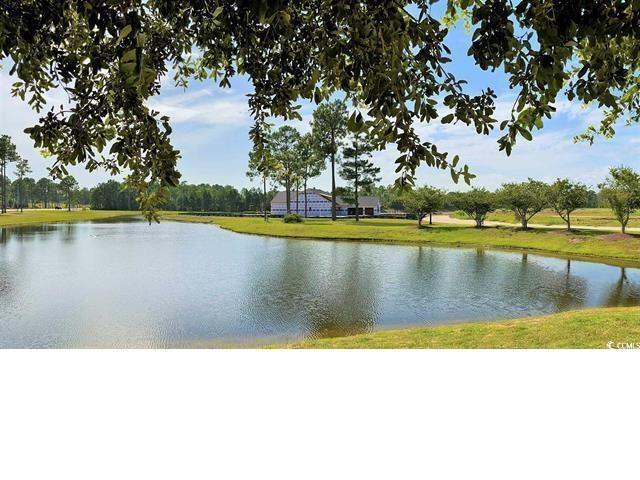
[(33, 217), (226, 223), (594, 328)]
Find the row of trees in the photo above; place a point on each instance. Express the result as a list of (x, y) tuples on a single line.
[(25, 191), (620, 191), (113, 195), (290, 159)]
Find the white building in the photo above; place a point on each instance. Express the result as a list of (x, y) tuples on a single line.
[(318, 204)]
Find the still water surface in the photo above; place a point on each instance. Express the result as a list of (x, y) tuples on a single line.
[(130, 284)]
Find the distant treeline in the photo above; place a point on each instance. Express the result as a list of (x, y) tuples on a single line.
[(113, 195), (42, 193)]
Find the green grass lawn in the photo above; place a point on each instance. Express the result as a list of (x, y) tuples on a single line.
[(580, 329), (592, 244), (30, 217), (597, 217)]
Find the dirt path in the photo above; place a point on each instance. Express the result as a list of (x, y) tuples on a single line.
[(445, 218)]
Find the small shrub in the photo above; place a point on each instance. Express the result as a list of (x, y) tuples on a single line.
[(292, 218)]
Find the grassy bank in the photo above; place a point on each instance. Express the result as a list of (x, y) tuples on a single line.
[(588, 244), (579, 329), (30, 217), (595, 217)]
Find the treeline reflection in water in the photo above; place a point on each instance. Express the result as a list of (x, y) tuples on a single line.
[(134, 284)]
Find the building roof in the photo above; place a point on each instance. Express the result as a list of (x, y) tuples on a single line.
[(367, 201), (281, 197), (363, 200)]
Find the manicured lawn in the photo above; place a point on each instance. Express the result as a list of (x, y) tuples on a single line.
[(28, 217), (597, 217), (579, 329), (592, 244)]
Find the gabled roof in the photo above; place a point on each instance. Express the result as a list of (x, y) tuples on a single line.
[(281, 197), (363, 200)]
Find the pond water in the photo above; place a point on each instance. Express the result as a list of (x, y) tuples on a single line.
[(130, 284)]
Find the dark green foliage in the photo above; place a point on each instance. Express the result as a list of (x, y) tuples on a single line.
[(423, 201), (7, 154), (185, 197), (621, 191), (282, 148), (566, 197), (113, 195), (292, 218), (476, 203), (21, 170), (390, 63), (525, 199), (69, 185)]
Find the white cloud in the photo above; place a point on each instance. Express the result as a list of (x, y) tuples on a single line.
[(551, 154), (17, 115), (202, 107)]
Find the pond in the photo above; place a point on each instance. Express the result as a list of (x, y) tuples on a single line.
[(130, 284)]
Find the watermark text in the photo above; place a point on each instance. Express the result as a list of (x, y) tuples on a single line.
[(623, 345)]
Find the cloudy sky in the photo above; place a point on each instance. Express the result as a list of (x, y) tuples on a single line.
[(211, 130)]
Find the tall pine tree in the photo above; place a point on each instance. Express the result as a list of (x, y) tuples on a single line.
[(357, 168)]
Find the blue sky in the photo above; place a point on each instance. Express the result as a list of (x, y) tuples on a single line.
[(211, 130)]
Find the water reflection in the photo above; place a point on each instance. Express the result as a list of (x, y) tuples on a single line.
[(323, 294), (132, 284), (623, 292)]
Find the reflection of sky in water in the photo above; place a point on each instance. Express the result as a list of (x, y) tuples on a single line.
[(134, 284)]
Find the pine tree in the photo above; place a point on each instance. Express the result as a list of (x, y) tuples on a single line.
[(357, 168), (22, 169)]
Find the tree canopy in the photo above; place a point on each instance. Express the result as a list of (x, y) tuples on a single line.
[(389, 60), (525, 199), (566, 196), (621, 190), (477, 203), (7, 154), (329, 127), (423, 201)]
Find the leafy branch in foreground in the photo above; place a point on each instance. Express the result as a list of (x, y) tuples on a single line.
[(109, 56)]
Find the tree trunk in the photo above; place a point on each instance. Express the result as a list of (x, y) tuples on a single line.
[(479, 222), (3, 172), (624, 227), (430, 218), (288, 194), (264, 197), (523, 218), (69, 201), (420, 217), (306, 209), (333, 187), (568, 221), (355, 163), (333, 176), (297, 197)]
